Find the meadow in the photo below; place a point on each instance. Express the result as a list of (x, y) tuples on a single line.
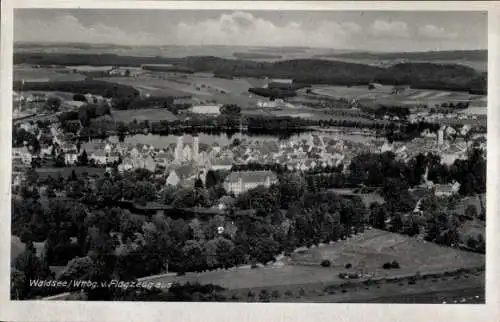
[(29, 74), (151, 114), (365, 252), (383, 95)]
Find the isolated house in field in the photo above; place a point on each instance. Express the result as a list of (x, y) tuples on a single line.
[(375, 85), (206, 109), (398, 89)]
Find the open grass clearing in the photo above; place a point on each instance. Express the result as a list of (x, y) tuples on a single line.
[(44, 75), (150, 114), (382, 95), (366, 252)]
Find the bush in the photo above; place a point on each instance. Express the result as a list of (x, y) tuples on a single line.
[(288, 293), (387, 265), (348, 265), (391, 265), (79, 97), (325, 263), (264, 296)]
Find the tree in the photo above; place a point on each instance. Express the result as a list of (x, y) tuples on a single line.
[(84, 117), (83, 159), (79, 97), (230, 109), (18, 282), (53, 103), (198, 184), (264, 296), (211, 179), (79, 268), (236, 142), (292, 187), (122, 130), (29, 266), (60, 160), (471, 211)]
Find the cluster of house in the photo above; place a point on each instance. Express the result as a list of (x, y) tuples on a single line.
[(427, 116)]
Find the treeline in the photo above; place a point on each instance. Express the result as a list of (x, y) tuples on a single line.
[(445, 55), (96, 87), (84, 114), (309, 71), (272, 92), (68, 59), (168, 69)]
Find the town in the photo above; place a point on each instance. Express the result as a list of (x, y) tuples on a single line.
[(246, 181)]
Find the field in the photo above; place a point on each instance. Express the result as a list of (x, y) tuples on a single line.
[(151, 114), (29, 74), (383, 95), (221, 90), (366, 252), (66, 96)]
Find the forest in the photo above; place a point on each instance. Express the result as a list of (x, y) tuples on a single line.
[(452, 77)]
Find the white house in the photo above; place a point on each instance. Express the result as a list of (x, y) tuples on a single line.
[(70, 158), (99, 157), (206, 109), (172, 179)]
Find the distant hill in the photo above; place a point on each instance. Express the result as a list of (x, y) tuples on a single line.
[(452, 55), (256, 55)]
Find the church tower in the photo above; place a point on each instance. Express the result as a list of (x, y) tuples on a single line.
[(179, 148), (196, 148)]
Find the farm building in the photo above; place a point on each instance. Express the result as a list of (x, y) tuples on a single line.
[(400, 89), (281, 80), (375, 85), (206, 109)]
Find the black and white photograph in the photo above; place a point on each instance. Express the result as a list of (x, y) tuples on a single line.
[(324, 156)]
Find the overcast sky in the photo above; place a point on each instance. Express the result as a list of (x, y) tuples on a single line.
[(373, 30)]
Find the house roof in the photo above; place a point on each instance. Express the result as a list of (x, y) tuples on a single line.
[(224, 161), (99, 153), (92, 146)]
